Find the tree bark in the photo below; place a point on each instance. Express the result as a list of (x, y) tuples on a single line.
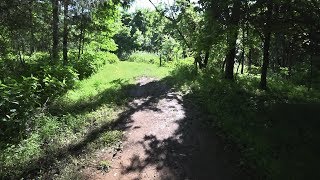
[(250, 59), (242, 61), (81, 34), (55, 26), (266, 47), (65, 31), (206, 58), (32, 41), (232, 39)]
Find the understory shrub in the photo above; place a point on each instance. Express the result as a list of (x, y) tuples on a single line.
[(18, 98), (91, 61), (145, 57), (21, 93)]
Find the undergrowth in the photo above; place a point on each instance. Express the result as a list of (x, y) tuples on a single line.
[(276, 129)]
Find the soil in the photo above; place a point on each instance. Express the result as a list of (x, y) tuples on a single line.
[(165, 138)]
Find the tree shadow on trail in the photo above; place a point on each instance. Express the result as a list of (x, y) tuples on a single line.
[(190, 152)]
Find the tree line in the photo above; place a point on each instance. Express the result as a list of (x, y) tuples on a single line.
[(285, 34)]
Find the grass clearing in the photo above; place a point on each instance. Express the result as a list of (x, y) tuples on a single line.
[(113, 76)]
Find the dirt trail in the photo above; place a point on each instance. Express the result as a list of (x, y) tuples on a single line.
[(164, 139)]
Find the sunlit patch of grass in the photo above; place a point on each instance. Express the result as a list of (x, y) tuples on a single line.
[(110, 138), (125, 72)]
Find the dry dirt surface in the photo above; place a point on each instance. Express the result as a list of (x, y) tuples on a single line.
[(164, 138)]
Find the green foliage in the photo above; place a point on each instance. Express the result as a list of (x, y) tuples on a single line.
[(108, 77), (104, 166), (91, 61), (18, 99), (15, 156), (170, 49), (111, 137), (21, 95), (271, 127), (56, 80), (144, 57)]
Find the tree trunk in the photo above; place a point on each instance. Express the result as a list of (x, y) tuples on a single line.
[(232, 39), (311, 74), (198, 60), (223, 65), (79, 45), (81, 33), (82, 47), (266, 47), (65, 31), (238, 68), (250, 59), (55, 26), (242, 61), (243, 49), (206, 58), (32, 41)]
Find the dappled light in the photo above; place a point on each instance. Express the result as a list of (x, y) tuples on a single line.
[(159, 89)]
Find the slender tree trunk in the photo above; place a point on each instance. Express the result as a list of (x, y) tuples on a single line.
[(65, 31), (242, 62), (243, 49), (266, 47), (232, 39), (223, 65), (198, 60), (79, 45), (206, 58), (32, 41), (238, 68), (55, 26), (249, 59), (311, 73), (81, 33)]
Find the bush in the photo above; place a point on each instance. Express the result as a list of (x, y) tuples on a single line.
[(144, 57), (91, 61), (18, 98), (53, 79), (20, 95)]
